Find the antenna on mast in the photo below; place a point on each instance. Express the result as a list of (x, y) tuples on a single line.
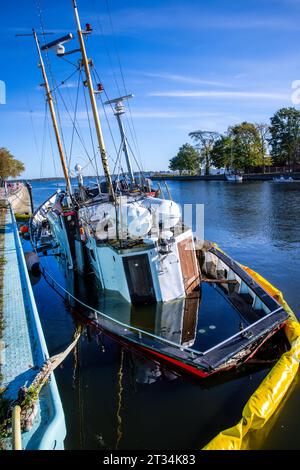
[(119, 110)]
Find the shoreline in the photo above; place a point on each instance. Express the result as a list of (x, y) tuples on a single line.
[(246, 177)]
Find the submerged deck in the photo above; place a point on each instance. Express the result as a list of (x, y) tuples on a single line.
[(216, 327), (23, 347)]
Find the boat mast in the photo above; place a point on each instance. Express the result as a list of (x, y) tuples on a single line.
[(119, 109), (85, 63), (53, 115)]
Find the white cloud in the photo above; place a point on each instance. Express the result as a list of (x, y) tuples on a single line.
[(221, 94), (185, 79), (133, 21), (171, 114)]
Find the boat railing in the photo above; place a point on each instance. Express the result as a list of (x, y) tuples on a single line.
[(242, 332), (38, 216), (126, 327), (257, 290), (140, 333)]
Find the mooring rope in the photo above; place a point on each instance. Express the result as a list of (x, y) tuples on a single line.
[(120, 393), (28, 396)]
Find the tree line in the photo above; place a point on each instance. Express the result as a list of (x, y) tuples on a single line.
[(9, 165), (244, 146)]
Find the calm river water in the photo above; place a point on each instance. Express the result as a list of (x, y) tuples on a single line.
[(113, 398)]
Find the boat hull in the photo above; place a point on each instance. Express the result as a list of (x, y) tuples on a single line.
[(283, 180), (234, 178), (121, 269)]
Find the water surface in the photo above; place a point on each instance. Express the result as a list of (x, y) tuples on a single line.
[(114, 398)]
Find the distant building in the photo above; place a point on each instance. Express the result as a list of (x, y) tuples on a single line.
[(213, 170)]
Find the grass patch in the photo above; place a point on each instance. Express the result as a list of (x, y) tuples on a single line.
[(5, 419)]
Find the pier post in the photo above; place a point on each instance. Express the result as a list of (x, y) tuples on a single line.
[(16, 428)]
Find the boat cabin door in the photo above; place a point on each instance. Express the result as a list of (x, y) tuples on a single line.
[(189, 266), (139, 279)]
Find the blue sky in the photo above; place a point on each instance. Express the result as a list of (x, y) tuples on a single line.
[(190, 65)]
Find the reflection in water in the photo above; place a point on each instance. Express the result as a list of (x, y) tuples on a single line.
[(262, 211), (174, 321), (258, 223), (107, 408), (200, 321), (284, 215)]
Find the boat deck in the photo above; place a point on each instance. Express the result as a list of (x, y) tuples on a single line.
[(23, 347), (226, 319), (201, 320)]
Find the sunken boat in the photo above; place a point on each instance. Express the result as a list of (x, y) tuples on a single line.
[(134, 241)]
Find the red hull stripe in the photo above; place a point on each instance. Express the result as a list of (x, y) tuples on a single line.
[(176, 363), (66, 214)]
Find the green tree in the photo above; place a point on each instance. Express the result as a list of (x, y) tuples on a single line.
[(205, 141), (285, 137), (246, 146), (264, 135), (222, 151), (9, 165), (187, 159)]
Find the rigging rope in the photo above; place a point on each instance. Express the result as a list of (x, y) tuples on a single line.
[(31, 112), (51, 146), (54, 84), (107, 51), (131, 127), (63, 82), (97, 78), (91, 136), (137, 164), (115, 162), (44, 140), (76, 130), (130, 122), (73, 128)]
